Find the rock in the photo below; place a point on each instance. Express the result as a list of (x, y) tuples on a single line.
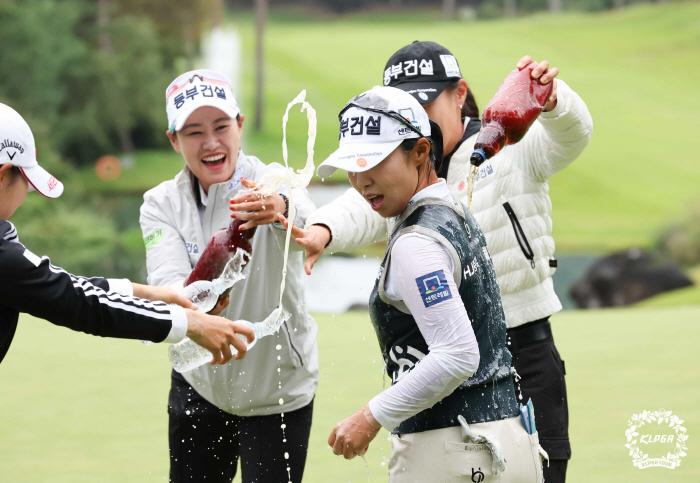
[(625, 278)]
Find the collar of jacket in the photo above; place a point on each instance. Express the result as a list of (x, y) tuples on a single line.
[(472, 125)]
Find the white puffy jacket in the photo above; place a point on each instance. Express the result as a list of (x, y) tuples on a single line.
[(511, 203), (176, 237)]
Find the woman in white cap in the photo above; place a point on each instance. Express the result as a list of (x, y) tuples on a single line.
[(511, 203), (259, 412), (436, 309), (104, 307)]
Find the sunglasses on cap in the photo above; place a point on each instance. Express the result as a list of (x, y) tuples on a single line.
[(372, 102), (204, 75)]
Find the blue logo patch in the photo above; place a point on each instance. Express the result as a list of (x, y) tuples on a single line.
[(433, 288)]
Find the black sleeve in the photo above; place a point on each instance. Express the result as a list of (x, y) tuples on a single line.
[(32, 285)]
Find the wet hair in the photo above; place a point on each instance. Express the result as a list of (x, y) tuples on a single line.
[(435, 155), (469, 108)]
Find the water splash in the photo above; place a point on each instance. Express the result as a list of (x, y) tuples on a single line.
[(187, 355), (366, 465), (206, 294), (470, 187)]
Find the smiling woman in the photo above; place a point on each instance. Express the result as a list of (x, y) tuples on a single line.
[(209, 142), (241, 407)]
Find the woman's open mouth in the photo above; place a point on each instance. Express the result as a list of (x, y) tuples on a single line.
[(214, 161), (376, 202)]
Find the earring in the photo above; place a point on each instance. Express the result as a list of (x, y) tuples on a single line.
[(460, 106)]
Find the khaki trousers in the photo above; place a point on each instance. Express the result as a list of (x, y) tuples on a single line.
[(441, 456)]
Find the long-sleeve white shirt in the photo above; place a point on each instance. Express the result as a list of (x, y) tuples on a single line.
[(453, 350)]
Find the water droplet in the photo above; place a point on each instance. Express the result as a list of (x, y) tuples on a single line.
[(278, 347), (279, 357), (286, 455), (281, 401), (187, 412), (283, 426)]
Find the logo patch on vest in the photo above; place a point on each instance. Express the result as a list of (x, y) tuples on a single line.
[(433, 288)]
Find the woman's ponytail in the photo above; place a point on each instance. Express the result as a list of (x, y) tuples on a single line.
[(436, 151)]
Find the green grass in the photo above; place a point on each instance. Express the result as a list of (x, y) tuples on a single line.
[(76, 408), (636, 69), (684, 296)]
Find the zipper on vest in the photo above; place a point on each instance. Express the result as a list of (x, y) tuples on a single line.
[(520, 235), (291, 344)]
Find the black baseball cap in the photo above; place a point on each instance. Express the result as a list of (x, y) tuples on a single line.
[(423, 69)]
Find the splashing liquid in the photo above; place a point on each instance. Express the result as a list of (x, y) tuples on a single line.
[(366, 466), (470, 187), (273, 180), (221, 248)]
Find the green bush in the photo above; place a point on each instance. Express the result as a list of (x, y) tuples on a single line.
[(57, 69), (681, 242)]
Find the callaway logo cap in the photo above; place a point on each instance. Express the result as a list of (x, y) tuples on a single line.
[(195, 89), (17, 148), (423, 69), (372, 125)]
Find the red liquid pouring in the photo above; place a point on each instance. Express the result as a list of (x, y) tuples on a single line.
[(511, 112), (221, 248)]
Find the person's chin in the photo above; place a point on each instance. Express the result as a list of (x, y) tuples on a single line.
[(388, 212)]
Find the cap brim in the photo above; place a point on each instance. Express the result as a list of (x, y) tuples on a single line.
[(424, 92), (356, 158), (42, 181), (229, 110)]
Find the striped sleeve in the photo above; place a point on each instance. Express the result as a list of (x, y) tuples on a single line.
[(10, 232), (33, 285)]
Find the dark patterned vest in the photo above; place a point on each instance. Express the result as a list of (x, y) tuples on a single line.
[(489, 394)]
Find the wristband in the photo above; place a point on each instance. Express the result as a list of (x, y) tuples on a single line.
[(286, 205)]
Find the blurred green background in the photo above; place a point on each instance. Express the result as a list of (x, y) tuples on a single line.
[(636, 184), (89, 76)]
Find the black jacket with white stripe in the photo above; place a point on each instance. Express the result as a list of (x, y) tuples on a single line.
[(32, 285)]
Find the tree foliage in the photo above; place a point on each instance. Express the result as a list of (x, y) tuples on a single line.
[(55, 70)]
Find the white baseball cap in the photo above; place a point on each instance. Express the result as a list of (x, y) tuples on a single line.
[(195, 89), (17, 148), (372, 125)]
